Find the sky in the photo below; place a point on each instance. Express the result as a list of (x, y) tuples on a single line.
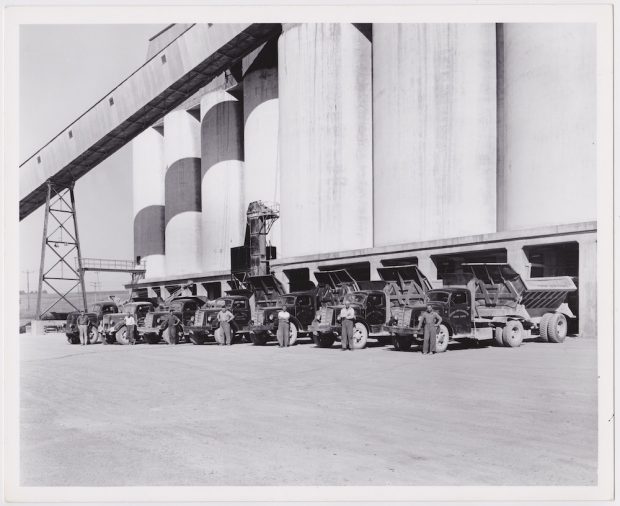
[(65, 69)]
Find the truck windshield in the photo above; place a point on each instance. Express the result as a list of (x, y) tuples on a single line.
[(220, 303), (286, 301), (355, 298), (438, 297)]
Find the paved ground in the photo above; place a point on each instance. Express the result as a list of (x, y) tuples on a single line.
[(246, 415)]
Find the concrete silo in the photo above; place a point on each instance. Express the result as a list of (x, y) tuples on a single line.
[(547, 112), (148, 201), (434, 124), (223, 212), (261, 118), (183, 216), (325, 148)]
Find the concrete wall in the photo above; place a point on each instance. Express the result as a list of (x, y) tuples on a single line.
[(547, 158), (148, 200), (182, 187), (434, 127), (261, 118), (324, 80), (223, 212)]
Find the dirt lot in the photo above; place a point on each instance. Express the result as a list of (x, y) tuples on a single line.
[(246, 415)]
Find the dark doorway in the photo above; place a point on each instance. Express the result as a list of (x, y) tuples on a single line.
[(449, 267), (359, 271), (391, 262), (299, 279)]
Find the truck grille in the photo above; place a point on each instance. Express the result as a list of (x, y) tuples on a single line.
[(148, 320), (404, 318), (327, 315), (260, 317)]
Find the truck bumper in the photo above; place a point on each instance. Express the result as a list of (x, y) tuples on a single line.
[(323, 328), (263, 329), (396, 330)]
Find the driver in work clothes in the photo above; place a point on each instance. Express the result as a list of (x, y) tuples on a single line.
[(225, 317), (347, 316), (431, 320)]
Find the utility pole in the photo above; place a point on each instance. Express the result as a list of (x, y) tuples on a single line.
[(28, 285)]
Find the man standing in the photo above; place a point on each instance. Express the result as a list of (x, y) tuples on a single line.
[(347, 317), (225, 317), (130, 323), (171, 324), (431, 320), (82, 323), (284, 328)]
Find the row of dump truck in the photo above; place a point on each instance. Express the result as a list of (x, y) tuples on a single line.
[(496, 304)]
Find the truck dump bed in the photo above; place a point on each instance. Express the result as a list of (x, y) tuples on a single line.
[(405, 284), (499, 286)]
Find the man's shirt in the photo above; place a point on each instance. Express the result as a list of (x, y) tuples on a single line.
[(347, 314)]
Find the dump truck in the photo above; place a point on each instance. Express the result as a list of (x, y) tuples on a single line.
[(112, 327), (205, 322), (95, 317), (497, 304), (302, 305), (183, 307), (373, 306)]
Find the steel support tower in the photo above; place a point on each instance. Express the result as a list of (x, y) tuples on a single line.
[(261, 217), (61, 238)]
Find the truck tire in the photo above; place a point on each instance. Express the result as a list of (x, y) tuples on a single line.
[(121, 335), (442, 339), (73, 340), (293, 332), (197, 339), (384, 340), (93, 335), (544, 326), (498, 336), (324, 340), (512, 334), (557, 328), (360, 336), (151, 338), (402, 343)]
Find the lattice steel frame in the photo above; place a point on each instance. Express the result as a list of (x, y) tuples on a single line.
[(56, 197)]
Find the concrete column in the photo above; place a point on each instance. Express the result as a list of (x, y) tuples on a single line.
[(374, 264), (201, 289), (428, 268), (518, 260), (325, 88), (434, 131), (283, 279), (260, 138), (164, 293), (587, 287), (148, 201), (183, 217), (223, 211), (547, 111), (150, 292)]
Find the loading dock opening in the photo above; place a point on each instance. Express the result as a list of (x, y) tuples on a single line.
[(449, 266)]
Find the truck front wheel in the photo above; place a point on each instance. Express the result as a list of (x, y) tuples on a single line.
[(360, 336), (513, 334), (151, 338), (442, 339), (121, 335), (557, 328), (258, 339)]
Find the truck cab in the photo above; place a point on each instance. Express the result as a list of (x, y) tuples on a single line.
[(183, 307), (205, 319), (113, 328), (95, 317)]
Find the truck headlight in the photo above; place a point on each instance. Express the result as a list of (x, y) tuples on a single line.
[(209, 318), (191, 320), (271, 317)]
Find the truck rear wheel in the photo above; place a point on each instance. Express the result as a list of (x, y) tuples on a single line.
[(121, 335), (324, 340), (544, 327), (442, 339), (360, 336), (557, 328), (259, 339), (513, 334), (498, 336), (402, 343)]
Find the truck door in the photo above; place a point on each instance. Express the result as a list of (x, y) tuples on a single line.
[(305, 309), (375, 309), (241, 310), (460, 308)]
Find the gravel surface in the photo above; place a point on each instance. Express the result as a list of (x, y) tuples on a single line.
[(248, 415)]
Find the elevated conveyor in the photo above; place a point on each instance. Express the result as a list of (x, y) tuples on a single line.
[(170, 76)]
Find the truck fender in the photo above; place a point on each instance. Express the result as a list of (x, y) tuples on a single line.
[(296, 322), (565, 310)]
